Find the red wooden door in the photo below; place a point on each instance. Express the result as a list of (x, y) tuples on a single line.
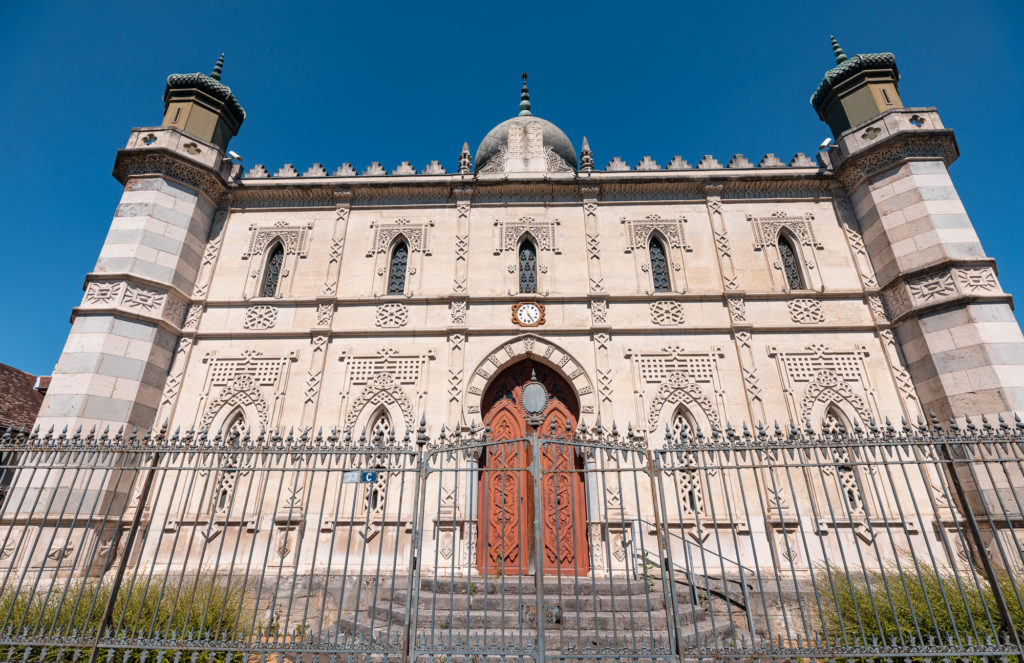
[(505, 507)]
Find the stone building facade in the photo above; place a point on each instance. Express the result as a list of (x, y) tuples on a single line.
[(843, 287)]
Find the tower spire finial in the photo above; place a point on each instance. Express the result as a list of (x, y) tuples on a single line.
[(837, 50), (217, 68), (524, 98)]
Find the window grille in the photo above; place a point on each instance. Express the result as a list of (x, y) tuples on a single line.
[(790, 264), (235, 428), (834, 423), (399, 265), (691, 501), (272, 273), (380, 434), (527, 267), (659, 266)]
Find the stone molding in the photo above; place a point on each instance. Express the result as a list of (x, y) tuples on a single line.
[(134, 298), (166, 163), (527, 345), (894, 150), (938, 288)]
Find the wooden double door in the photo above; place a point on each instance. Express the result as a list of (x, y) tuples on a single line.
[(506, 503)]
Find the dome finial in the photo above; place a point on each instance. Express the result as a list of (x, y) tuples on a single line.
[(524, 98), (217, 68), (838, 50)]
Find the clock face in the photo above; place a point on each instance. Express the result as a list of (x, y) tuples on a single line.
[(528, 314)]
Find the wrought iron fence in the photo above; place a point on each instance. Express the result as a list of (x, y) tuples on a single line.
[(874, 542)]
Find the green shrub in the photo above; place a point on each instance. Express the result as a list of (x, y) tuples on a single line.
[(193, 609), (894, 607)]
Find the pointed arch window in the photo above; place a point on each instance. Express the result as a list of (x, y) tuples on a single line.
[(835, 423), (790, 264), (688, 484), (272, 272), (527, 266), (399, 266), (659, 265), (381, 432), (234, 428)]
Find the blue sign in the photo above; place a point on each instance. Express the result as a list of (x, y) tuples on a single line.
[(359, 476)]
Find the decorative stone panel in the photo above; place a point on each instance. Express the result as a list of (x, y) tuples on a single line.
[(805, 311), (638, 232), (416, 235), (940, 288), (767, 228), (392, 315), (507, 234), (293, 239), (260, 317), (140, 300), (667, 313), (677, 376)]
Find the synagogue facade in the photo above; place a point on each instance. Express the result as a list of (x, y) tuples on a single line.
[(830, 290)]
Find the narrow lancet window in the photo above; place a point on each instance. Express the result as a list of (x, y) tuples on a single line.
[(272, 272), (527, 267), (659, 266), (790, 264), (399, 264)]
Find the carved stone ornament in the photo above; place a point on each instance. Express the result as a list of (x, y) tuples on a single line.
[(416, 236), (805, 311), (324, 314), (680, 388), (939, 145), (293, 239), (599, 311), (638, 232), (932, 288), (162, 162), (392, 315), (667, 313), (767, 228), (508, 234), (737, 309), (976, 280), (383, 389), (260, 317), (241, 381), (457, 308)]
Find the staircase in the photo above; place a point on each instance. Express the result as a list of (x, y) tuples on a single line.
[(471, 618)]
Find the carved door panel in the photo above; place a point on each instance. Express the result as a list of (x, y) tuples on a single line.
[(505, 503), (505, 496), (563, 500)]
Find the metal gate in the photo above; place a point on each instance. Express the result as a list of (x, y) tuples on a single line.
[(553, 600), (760, 543)]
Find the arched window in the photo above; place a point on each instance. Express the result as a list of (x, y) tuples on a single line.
[(380, 430), (272, 272), (527, 267), (234, 427), (790, 264), (691, 497), (399, 264), (659, 266), (835, 423)]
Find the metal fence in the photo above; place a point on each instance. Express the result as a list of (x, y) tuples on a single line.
[(876, 542)]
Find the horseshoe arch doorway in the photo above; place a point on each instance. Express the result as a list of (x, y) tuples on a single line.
[(505, 506)]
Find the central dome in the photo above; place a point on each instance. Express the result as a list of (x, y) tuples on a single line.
[(525, 143), (551, 136)]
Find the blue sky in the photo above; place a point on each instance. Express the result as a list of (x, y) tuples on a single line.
[(389, 82)]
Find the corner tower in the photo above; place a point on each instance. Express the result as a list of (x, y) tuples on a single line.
[(129, 325), (956, 327)]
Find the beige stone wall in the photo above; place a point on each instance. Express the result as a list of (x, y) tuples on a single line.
[(729, 327)]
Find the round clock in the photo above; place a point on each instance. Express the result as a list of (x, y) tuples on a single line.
[(528, 314)]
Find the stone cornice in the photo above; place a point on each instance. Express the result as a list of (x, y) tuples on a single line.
[(736, 184), (895, 150), (167, 163)]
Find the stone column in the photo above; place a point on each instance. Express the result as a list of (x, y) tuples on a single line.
[(126, 330), (953, 322)]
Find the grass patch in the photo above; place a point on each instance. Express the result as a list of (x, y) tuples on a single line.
[(197, 609), (899, 608)]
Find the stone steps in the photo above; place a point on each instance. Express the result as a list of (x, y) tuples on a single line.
[(439, 602)]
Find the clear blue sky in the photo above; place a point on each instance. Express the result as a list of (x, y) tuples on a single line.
[(385, 81)]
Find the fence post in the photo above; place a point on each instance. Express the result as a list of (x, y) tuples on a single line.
[(412, 595), (122, 565), (1006, 621), (664, 554), (536, 471)]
